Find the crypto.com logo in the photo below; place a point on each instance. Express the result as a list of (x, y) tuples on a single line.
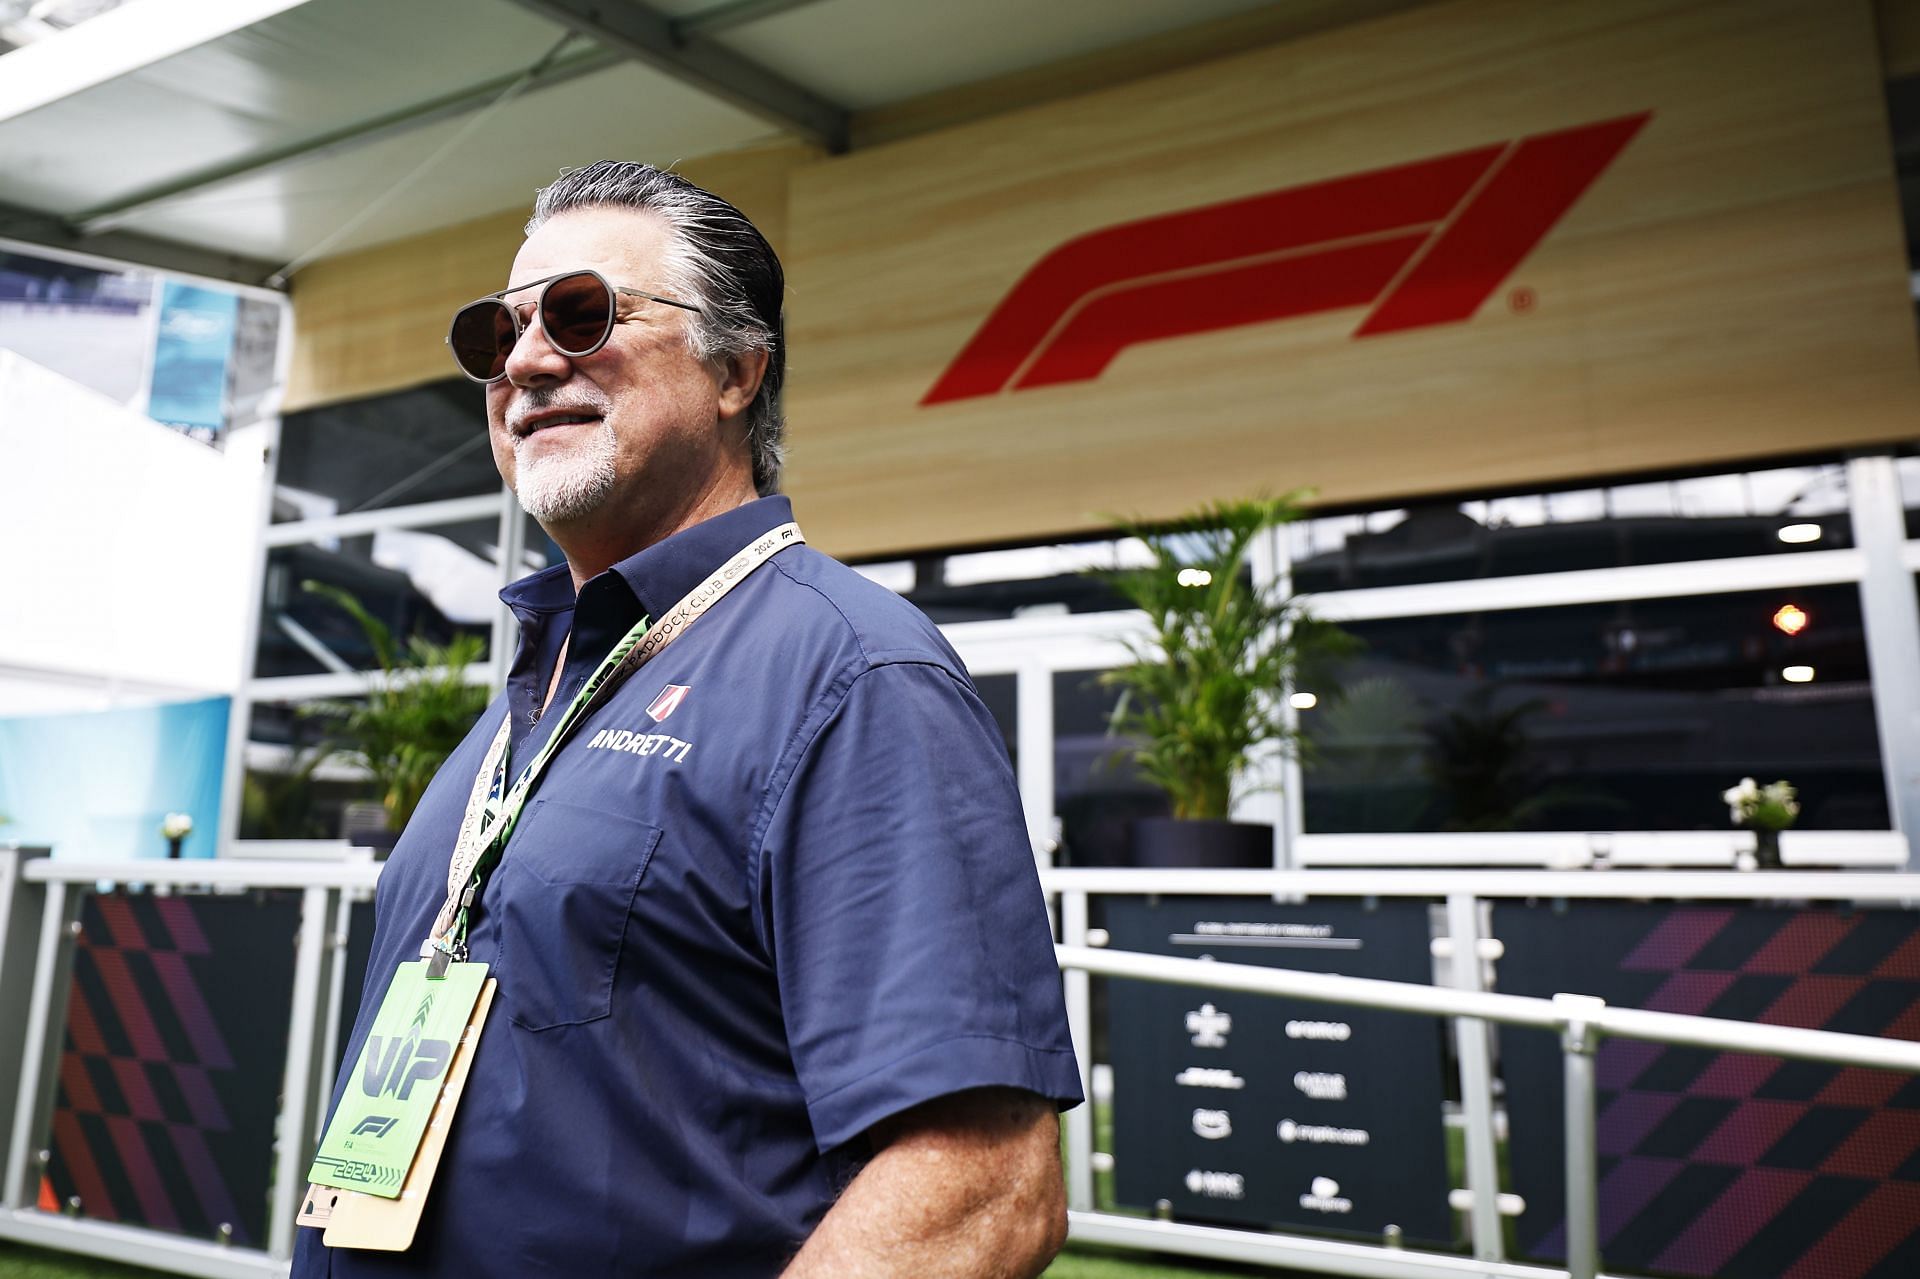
[(1420, 244)]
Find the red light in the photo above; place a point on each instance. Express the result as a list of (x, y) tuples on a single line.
[(1791, 619)]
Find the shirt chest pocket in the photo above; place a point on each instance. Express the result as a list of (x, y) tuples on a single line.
[(566, 891)]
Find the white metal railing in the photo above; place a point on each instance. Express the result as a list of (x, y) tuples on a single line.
[(40, 904), (1620, 849), (1581, 1020)]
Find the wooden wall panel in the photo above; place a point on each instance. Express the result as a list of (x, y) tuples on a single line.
[(1899, 23), (373, 321), (1733, 286)]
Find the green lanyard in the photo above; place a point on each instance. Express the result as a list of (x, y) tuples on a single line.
[(493, 808)]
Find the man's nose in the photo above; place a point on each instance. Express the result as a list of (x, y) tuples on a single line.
[(534, 358)]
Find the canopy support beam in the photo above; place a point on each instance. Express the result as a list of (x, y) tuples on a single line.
[(43, 229), (648, 37)]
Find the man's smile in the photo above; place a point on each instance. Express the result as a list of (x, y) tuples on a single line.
[(550, 419)]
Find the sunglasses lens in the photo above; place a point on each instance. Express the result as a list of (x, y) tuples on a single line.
[(482, 338), (577, 313)]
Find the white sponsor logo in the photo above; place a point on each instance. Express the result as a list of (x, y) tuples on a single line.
[(1213, 1124), (1324, 1196), (1337, 1031), (1217, 1185), (1206, 1077), (1320, 1134), (1235, 928), (608, 739), (1320, 1085), (1209, 1026)]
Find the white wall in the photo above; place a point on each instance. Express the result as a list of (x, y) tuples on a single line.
[(125, 549)]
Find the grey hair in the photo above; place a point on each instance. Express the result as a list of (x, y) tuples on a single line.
[(718, 261)]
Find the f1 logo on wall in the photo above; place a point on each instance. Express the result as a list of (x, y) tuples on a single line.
[(1419, 244)]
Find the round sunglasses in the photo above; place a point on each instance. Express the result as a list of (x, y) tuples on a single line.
[(577, 313)]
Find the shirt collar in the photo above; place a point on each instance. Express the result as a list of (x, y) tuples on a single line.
[(664, 573)]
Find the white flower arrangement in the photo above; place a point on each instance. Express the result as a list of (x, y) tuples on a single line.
[(1771, 807), (176, 826)]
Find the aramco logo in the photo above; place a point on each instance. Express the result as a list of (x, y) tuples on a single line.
[(1418, 244)]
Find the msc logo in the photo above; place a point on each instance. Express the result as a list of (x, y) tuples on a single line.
[(375, 1126), (1420, 244)]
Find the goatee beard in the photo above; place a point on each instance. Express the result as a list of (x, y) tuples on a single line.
[(559, 485)]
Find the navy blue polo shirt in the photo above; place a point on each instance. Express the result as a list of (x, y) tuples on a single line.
[(775, 890)]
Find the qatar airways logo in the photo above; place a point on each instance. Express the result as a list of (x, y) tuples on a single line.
[(1418, 245)]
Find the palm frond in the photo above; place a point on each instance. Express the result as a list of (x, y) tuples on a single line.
[(1205, 686)]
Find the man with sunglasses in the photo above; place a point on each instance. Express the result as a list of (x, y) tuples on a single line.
[(775, 983)]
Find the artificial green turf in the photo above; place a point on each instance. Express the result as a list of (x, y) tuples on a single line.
[(20, 1262)]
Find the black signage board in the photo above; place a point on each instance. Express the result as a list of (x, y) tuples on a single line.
[(1260, 1111), (172, 1061), (1731, 1165)]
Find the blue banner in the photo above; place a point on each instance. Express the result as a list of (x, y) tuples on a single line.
[(97, 784), (190, 356)]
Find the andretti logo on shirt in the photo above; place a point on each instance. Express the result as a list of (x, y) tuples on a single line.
[(670, 698), (642, 744)]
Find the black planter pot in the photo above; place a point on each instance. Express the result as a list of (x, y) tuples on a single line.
[(1173, 843)]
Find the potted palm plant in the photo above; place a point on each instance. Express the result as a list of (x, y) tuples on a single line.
[(1209, 681), (418, 709)]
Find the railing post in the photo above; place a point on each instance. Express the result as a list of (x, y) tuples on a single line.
[(292, 1140), (1079, 993), (1470, 1036), (20, 907), (45, 1034), (1579, 1042)]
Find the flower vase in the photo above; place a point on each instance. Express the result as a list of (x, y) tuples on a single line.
[(173, 846), (1766, 849)]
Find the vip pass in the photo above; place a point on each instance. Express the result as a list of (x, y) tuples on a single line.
[(493, 809)]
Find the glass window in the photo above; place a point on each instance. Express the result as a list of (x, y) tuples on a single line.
[(1665, 521), (1001, 695), (255, 361), (1023, 581), (1909, 469), (88, 325), (436, 582), (293, 788), (1097, 790), (1631, 716), (419, 445)]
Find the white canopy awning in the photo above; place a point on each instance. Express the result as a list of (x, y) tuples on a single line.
[(232, 137)]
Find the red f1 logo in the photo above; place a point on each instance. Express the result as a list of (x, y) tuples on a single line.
[(670, 697), (1421, 244)]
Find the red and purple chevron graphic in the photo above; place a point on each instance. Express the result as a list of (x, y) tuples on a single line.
[(1730, 1164), (169, 1078), (1419, 244)]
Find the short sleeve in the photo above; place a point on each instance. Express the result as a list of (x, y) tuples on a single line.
[(903, 912)]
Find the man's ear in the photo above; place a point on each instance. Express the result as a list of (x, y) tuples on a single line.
[(740, 377)]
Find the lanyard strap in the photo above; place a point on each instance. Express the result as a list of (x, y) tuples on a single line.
[(493, 808)]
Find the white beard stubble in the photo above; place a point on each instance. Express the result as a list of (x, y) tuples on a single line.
[(558, 485)]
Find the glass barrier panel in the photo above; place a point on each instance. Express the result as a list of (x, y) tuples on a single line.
[(1702, 517), (1632, 715)]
